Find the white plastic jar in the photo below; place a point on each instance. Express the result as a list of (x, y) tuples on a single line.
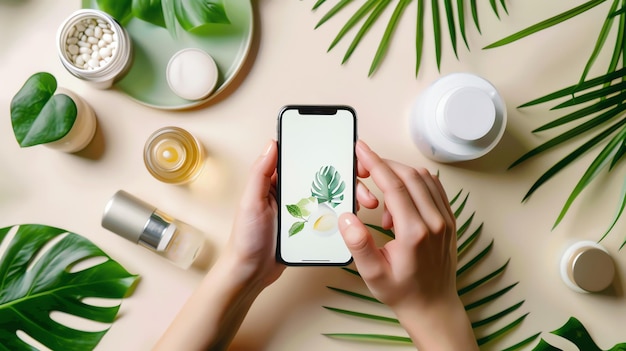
[(104, 75), (459, 117)]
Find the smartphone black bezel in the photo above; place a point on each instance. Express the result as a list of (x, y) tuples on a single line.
[(312, 110)]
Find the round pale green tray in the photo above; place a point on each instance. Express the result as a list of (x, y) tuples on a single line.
[(153, 46)]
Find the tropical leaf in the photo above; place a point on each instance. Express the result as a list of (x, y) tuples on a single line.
[(485, 301), (371, 11), (603, 108), (40, 276), (547, 23), (328, 186), (575, 332), (37, 115)]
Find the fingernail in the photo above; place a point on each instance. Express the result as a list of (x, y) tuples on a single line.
[(269, 146), (347, 220), (363, 146)]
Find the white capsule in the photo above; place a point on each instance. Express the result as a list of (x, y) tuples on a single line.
[(80, 27), (92, 40), (71, 41), (79, 61), (95, 48), (71, 32), (83, 38), (96, 55), (105, 52), (93, 63), (86, 57), (108, 59), (97, 32), (89, 32), (85, 50), (102, 43), (83, 44), (73, 49), (107, 37)]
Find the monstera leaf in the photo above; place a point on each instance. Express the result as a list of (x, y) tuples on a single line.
[(41, 280), (575, 332), (328, 186)]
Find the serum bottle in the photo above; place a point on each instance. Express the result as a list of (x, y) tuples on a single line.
[(145, 225)]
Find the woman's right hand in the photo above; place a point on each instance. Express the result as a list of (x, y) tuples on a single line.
[(414, 274)]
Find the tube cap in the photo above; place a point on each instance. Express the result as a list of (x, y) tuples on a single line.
[(127, 216)]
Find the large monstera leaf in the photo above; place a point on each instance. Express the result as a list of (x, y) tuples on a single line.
[(575, 332), (328, 186), (41, 279)]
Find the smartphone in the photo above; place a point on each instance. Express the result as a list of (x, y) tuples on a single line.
[(316, 183)]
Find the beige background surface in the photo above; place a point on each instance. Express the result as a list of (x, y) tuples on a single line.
[(289, 64)]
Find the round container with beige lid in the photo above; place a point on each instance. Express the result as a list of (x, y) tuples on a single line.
[(587, 267)]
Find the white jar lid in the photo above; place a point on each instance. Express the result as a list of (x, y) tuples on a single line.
[(192, 74), (466, 113)]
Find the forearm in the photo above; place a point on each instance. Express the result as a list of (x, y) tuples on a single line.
[(439, 328), (211, 317)]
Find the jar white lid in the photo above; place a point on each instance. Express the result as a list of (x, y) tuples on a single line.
[(192, 74)]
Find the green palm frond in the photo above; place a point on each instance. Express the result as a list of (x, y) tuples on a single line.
[(370, 11), (497, 320), (598, 105)]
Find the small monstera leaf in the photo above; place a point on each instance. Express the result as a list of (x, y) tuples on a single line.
[(328, 186), (575, 332), (40, 279), (37, 115)]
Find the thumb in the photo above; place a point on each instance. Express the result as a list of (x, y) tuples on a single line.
[(367, 257)]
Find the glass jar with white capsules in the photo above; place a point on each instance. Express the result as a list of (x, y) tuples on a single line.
[(94, 47)]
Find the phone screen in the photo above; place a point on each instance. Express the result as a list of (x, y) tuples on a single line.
[(316, 180)]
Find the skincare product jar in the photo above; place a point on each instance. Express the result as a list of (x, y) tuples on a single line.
[(144, 224), (192, 74), (587, 267), (94, 47), (172, 155), (459, 117), (83, 129)]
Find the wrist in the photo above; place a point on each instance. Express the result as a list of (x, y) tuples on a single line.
[(237, 275), (437, 325)]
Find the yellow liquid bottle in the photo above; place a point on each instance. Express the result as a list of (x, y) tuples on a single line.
[(173, 155)]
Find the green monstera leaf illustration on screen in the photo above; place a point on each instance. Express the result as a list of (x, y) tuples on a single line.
[(326, 194), (49, 278), (328, 186)]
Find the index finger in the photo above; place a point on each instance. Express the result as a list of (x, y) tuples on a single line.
[(397, 198)]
